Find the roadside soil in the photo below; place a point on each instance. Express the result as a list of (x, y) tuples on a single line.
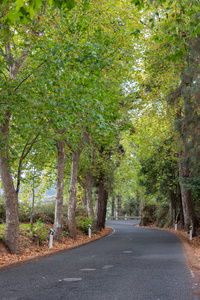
[(30, 251)]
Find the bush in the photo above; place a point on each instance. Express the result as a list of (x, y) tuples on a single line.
[(24, 210), (40, 232), (81, 211), (2, 213), (148, 214), (162, 215), (44, 212), (83, 224)]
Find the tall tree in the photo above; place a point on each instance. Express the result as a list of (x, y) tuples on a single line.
[(19, 32)]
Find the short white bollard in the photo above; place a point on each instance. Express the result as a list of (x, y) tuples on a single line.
[(176, 225), (89, 230), (51, 239), (190, 233)]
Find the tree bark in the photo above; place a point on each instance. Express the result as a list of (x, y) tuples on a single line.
[(101, 207), (58, 220), (186, 196), (113, 206), (88, 193), (172, 197), (72, 194), (119, 199), (137, 205), (11, 196)]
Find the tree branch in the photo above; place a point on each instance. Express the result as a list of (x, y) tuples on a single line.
[(27, 77), (26, 152)]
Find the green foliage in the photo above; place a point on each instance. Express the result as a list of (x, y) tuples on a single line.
[(162, 215), (2, 231), (148, 214), (81, 211), (40, 232), (83, 224), (130, 206), (23, 12), (44, 212), (2, 213), (159, 172)]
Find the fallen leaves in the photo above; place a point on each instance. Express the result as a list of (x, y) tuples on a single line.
[(28, 248)]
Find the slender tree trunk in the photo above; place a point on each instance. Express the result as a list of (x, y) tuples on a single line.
[(172, 197), (101, 208), (72, 194), (11, 196), (88, 193), (33, 203), (58, 220), (186, 196), (181, 210), (119, 199), (113, 206), (138, 205)]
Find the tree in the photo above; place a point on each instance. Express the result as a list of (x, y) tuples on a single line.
[(16, 46)]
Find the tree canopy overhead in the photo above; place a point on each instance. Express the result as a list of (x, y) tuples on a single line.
[(100, 76)]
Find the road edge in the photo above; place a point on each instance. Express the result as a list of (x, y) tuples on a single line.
[(20, 263)]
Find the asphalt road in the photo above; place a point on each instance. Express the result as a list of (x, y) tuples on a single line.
[(132, 263)]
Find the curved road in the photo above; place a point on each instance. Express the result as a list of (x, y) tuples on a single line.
[(132, 263)]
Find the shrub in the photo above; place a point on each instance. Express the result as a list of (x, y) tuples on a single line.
[(40, 232), (44, 212), (81, 211), (83, 224), (2, 213), (163, 215), (148, 214), (24, 210)]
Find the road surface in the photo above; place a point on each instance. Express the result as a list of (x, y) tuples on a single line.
[(132, 263)]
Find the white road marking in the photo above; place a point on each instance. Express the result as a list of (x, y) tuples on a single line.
[(72, 279), (107, 267), (111, 232), (88, 269), (127, 251)]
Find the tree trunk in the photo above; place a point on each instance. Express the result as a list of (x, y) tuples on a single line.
[(88, 193), (11, 196), (137, 205), (101, 208), (119, 199), (181, 210), (33, 203), (113, 207), (58, 220), (172, 197), (186, 196), (72, 194)]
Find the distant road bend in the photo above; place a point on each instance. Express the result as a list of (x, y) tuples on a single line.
[(132, 263)]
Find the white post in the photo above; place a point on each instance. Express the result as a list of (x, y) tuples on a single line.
[(89, 231), (51, 239), (176, 225), (190, 233)]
